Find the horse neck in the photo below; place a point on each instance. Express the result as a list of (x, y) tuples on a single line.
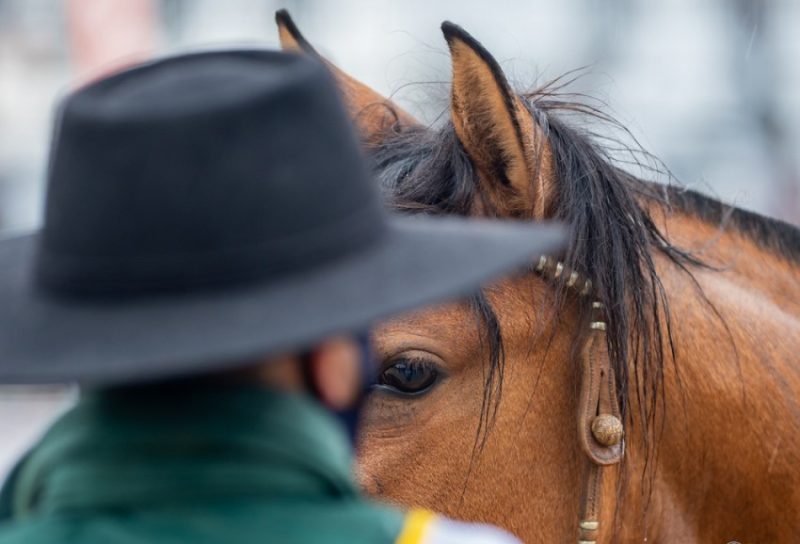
[(727, 465)]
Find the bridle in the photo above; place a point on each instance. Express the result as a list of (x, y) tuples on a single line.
[(600, 428)]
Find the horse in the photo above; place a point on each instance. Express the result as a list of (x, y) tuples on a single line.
[(642, 386)]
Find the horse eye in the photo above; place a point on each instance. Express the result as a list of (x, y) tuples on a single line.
[(408, 377)]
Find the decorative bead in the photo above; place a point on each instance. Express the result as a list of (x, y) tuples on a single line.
[(573, 277), (542, 263), (607, 429)]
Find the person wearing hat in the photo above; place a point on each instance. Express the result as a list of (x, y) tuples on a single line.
[(212, 255)]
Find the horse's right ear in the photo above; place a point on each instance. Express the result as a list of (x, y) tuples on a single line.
[(373, 114), (289, 35)]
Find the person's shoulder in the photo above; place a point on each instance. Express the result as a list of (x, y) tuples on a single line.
[(35, 532), (424, 527)]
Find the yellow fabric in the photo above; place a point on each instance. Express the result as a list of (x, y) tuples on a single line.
[(415, 526)]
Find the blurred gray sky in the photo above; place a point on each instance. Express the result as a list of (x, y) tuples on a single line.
[(712, 87)]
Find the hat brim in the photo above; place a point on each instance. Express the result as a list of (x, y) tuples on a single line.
[(421, 261)]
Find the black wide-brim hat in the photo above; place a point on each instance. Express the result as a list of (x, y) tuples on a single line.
[(209, 210)]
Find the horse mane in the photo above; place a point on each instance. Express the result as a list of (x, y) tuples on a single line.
[(779, 237), (613, 237)]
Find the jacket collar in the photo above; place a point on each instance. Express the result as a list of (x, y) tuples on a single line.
[(125, 450)]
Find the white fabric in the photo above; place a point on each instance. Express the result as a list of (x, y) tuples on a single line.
[(446, 531)]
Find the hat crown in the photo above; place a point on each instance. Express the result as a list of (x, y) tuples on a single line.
[(207, 168)]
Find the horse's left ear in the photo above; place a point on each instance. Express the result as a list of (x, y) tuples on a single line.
[(498, 133), (372, 113)]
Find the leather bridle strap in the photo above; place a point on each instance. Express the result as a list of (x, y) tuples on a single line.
[(600, 429)]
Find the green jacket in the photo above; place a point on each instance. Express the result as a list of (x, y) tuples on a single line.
[(242, 465)]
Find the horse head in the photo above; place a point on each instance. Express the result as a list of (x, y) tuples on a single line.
[(508, 406)]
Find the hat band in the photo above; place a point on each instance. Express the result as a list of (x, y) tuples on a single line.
[(68, 274)]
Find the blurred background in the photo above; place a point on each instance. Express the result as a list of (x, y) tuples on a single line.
[(711, 87)]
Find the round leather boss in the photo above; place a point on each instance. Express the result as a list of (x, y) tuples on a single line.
[(607, 429)]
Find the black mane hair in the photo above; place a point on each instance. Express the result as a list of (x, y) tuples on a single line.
[(613, 237)]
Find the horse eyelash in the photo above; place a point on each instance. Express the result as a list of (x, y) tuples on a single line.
[(411, 360)]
